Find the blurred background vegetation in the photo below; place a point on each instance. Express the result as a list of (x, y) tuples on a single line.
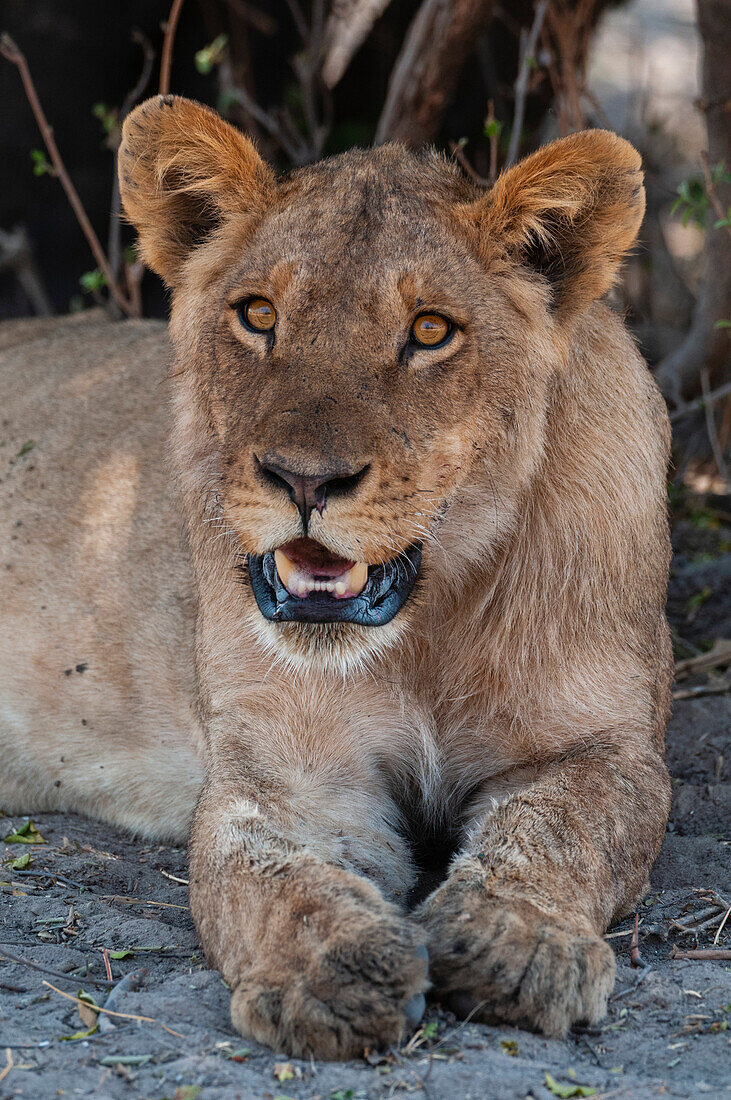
[(486, 81)]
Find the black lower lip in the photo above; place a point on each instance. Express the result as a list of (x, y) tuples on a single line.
[(386, 591)]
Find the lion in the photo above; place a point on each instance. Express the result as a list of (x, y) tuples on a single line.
[(361, 586)]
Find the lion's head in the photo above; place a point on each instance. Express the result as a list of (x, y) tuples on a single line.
[(370, 343)]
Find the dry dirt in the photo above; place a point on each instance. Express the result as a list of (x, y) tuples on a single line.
[(91, 887)]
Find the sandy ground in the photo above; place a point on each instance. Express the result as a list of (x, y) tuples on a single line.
[(91, 887)]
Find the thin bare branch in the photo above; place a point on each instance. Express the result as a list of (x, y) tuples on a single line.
[(114, 240), (16, 253), (493, 138), (166, 60), (11, 52), (458, 152), (700, 402), (711, 429), (528, 44)]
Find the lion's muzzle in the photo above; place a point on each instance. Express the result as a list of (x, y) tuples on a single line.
[(303, 582)]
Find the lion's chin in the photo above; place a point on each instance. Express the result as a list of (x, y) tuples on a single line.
[(302, 583), (339, 648)]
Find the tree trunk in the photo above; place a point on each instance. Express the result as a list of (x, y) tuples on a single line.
[(705, 345), (442, 35)]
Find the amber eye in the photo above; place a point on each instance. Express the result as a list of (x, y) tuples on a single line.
[(430, 330), (258, 314)]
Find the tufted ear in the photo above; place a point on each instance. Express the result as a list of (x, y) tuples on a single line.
[(182, 171), (570, 211)]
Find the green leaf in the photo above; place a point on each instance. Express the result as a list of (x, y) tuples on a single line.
[(78, 1034), (125, 1060), (241, 1054), (567, 1091), (124, 954), (26, 448), (342, 1094), (722, 324), (41, 167), (93, 281), (21, 862), (26, 834), (211, 55), (284, 1071), (510, 1047), (106, 115), (493, 128)]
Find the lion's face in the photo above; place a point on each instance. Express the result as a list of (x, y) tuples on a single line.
[(374, 368)]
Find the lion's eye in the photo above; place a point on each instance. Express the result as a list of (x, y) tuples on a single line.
[(430, 330), (258, 315)]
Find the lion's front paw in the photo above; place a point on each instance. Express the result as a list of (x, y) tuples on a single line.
[(352, 977), (507, 961)]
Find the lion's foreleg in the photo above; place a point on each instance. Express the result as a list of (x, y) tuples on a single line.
[(516, 927), (290, 857)]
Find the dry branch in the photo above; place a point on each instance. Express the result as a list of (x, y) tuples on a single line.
[(15, 55), (5, 954), (528, 44), (133, 272), (111, 1012), (711, 954), (348, 26), (166, 61)]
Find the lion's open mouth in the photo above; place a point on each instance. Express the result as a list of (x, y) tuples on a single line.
[(303, 582)]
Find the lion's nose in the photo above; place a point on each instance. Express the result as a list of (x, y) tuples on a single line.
[(311, 490)]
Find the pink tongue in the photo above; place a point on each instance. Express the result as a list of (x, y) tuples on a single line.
[(312, 558)]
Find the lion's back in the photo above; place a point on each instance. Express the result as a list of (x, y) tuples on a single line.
[(96, 643)]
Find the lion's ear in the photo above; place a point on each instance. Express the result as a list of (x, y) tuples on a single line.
[(570, 211), (182, 171)]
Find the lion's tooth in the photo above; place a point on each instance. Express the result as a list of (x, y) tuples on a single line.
[(285, 567), (340, 588), (357, 578)]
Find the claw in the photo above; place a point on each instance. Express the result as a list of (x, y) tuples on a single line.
[(414, 1009)]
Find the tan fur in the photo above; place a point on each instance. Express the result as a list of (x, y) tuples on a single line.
[(504, 732)]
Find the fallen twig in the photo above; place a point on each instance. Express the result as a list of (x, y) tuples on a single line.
[(712, 954), (53, 875), (703, 689), (175, 878), (107, 964), (634, 948), (9, 1063), (140, 901), (637, 981), (111, 1012), (4, 953), (166, 60), (12, 52), (717, 657), (721, 928), (126, 984)]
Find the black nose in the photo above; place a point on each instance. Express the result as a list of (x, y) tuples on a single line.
[(310, 491)]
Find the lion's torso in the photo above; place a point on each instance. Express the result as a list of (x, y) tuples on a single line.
[(99, 695)]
